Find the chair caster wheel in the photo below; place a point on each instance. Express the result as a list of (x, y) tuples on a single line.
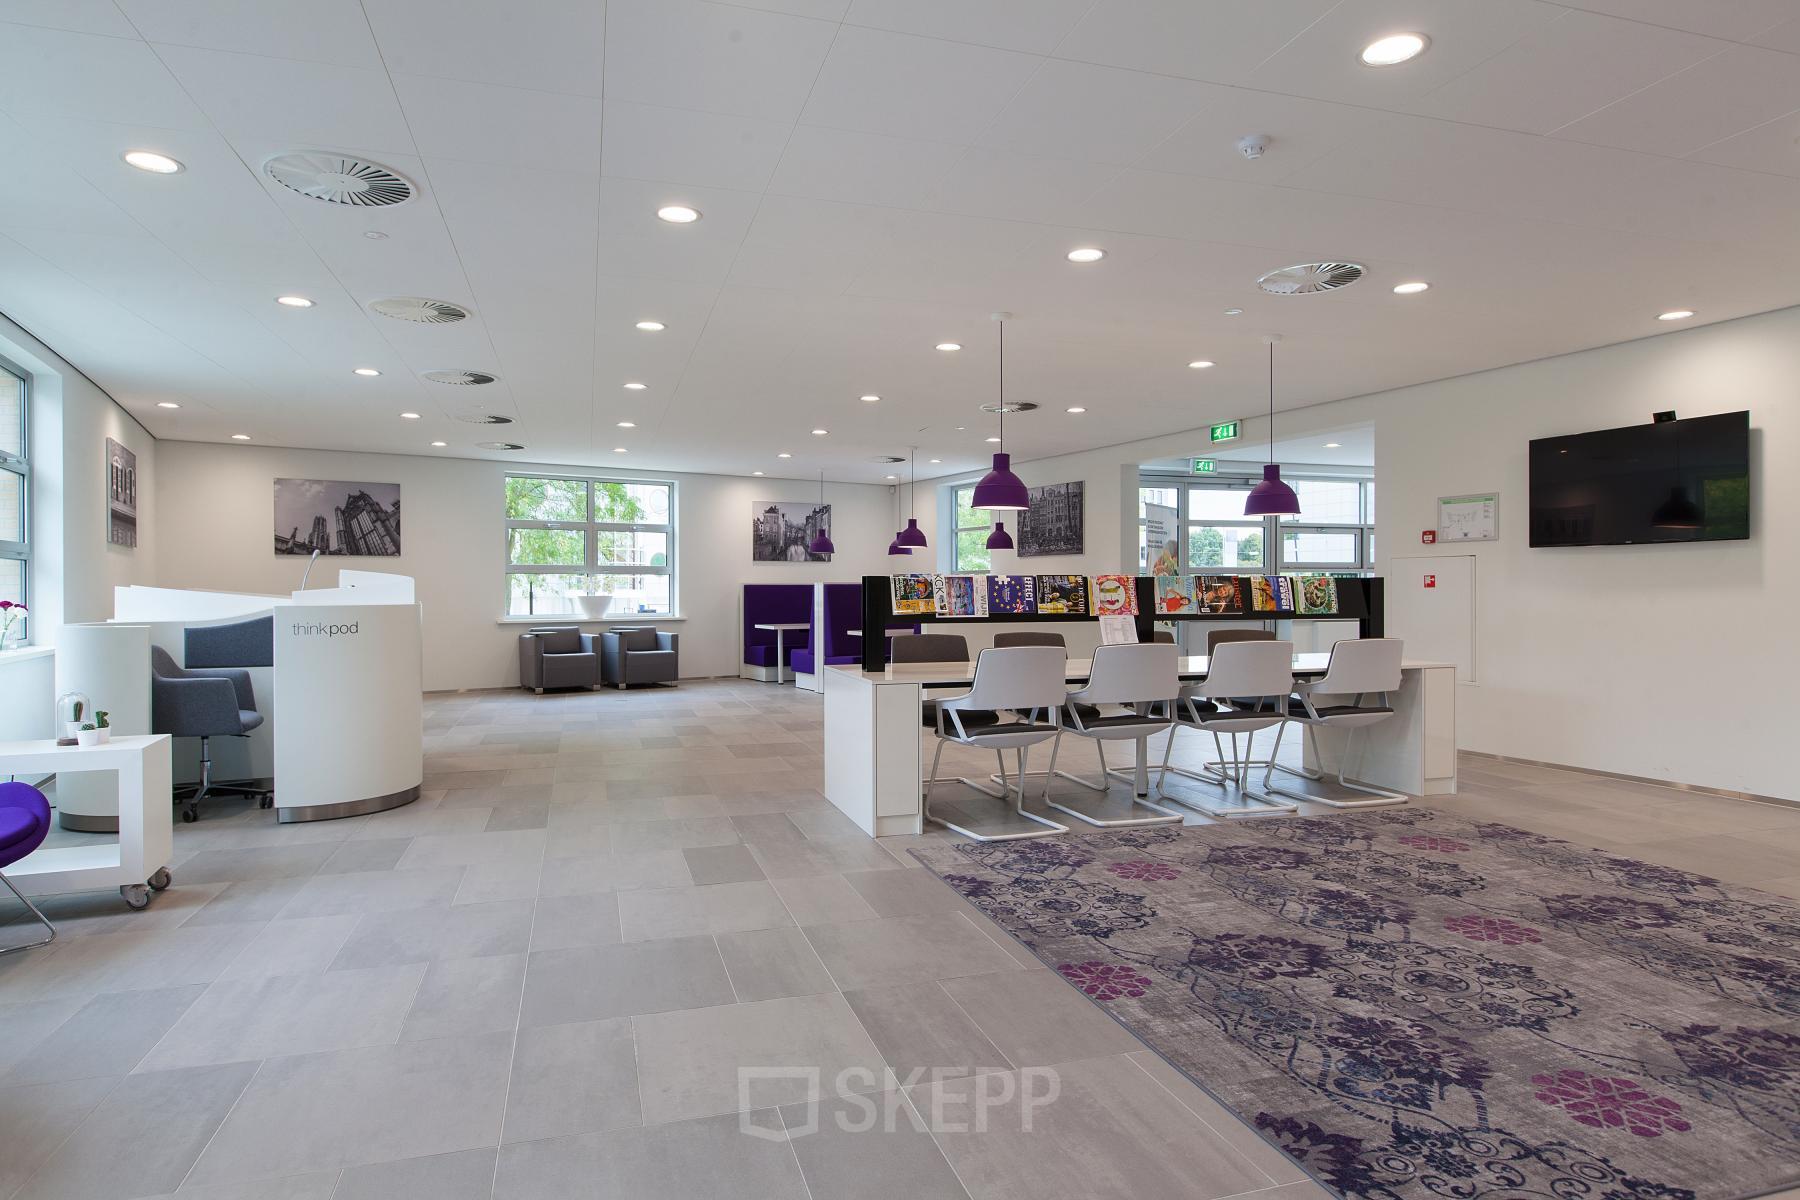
[(189, 815), (161, 880), (137, 895)]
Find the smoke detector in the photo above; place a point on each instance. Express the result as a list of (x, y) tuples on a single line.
[(1253, 146), (1309, 278), (421, 310), (340, 179), (1011, 406), (460, 378), (482, 418), (499, 445)]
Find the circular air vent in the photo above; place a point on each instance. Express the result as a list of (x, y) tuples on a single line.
[(482, 418), (340, 179), (420, 309), (460, 378), (499, 445), (1308, 278), (1011, 406)]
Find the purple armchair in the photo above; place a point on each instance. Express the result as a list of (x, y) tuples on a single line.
[(24, 824)]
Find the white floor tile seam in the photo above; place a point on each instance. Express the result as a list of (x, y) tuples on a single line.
[(512, 1055), (1204, 1123)]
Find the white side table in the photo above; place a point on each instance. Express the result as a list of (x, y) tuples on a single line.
[(138, 863), (780, 629)]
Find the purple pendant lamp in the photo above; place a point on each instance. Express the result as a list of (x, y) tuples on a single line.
[(821, 543), (912, 536), (999, 539), (1000, 488), (1272, 497)]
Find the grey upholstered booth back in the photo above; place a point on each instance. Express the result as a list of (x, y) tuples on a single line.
[(241, 644), (1219, 637), (930, 648)]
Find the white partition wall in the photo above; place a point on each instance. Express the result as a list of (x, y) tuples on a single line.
[(110, 665)]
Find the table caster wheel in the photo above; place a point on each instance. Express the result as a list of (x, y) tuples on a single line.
[(161, 879), (137, 895), (189, 816)]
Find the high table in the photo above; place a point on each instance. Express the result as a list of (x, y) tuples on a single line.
[(874, 770), (781, 629)]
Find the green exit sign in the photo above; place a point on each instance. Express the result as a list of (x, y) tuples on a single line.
[(1205, 466), (1226, 432)]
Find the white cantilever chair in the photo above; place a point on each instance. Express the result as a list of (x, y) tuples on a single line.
[(1358, 669), (1026, 681), (1144, 678), (1245, 691)]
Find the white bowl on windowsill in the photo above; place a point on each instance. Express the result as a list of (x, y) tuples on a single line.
[(594, 606)]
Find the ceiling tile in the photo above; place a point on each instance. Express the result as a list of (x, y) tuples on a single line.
[(552, 45), (1773, 146), (1568, 69), (55, 73), (914, 87), (1715, 99), (1784, 37), (647, 141), (333, 31), (634, 243), (307, 104), (1737, 20), (823, 10), (797, 243), (1032, 26), (77, 16), (1300, 132), (480, 122), (712, 57), (1218, 40), (1102, 114), (1018, 187), (865, 168)]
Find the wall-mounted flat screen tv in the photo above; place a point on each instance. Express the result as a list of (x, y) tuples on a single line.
[(1670, 481)]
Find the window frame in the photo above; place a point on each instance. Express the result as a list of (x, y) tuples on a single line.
[(1273, 529), (590, 529), (20, 466), (985, 525)]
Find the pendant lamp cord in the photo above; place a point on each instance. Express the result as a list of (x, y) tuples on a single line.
[(1271, 402), (1003, 386)]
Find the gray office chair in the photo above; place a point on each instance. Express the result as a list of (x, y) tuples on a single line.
[(1245, 691), (1359, 668), (558, 656), (1027, 679), (1141, 682), (629, 656), (204, 703), (1219, 637), (1028, 637), (936, 648)]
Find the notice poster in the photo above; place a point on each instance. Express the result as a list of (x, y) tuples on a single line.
[(1221, 594), (1316, 595), (1271, 593), (1118, 631), (913, 595), (1012, 594), (1175, 596), (1115, 595), (1062, 594), (960, 595), (1160, 548)]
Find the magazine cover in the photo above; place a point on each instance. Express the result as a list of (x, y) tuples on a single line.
[(1271, 593), (1317, 595), (1115, 595), (959, 596), (1218, 594), (1062, 594), (913, 594), (1012, 594), (1175, 595)]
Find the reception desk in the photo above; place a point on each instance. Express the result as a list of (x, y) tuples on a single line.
[(873, 763)]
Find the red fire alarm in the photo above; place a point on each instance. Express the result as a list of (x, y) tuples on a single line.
[(1431, 581), (1428, 536)]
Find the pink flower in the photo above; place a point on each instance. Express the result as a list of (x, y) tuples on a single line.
[(1144, 871), (1610, 1103), (1478, 928), (1104, 980), (1425, 841)]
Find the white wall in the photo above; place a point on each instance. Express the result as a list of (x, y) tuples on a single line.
[(1664, 661), (216, 512)]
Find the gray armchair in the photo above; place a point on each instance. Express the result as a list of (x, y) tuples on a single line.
[(216, 702), (631, 656), (558, 657)]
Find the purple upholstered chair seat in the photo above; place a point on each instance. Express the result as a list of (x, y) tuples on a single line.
[(24, 824), (16, 824)]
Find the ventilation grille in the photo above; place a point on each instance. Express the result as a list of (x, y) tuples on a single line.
[(1309, 278), (499, 445), (889, 458), (1011, 406), (482, 418), (460, 378), (340, 179), (420, 309)]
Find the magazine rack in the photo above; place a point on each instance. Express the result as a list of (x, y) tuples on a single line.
[(1359, 600)]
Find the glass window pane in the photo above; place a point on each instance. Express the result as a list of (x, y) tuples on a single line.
[(1306, 546), (546, 547), (546, 500), (12, 507), (532, 595), (12, 587), (1328, 501), (632, 503), (647, 594), (972, 553), (1216, 503), (1168, 497), (1224, 546), (1369, 502), (967, 517), (629, 549), (12, 414)]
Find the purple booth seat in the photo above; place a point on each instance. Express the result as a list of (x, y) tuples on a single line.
[(843, 612), (24, 824), (775, 604)]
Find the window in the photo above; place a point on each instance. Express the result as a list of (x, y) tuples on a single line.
[(15, 491), (1337, 533), (566, 537), (972, 528), (1335, 530)]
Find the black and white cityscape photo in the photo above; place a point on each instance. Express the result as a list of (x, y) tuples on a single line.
[(337, 517), (781, 530)]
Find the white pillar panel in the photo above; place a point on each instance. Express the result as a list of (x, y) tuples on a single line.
[(110, 665)]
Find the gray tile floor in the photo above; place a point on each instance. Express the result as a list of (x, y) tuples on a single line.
[(540, 981)]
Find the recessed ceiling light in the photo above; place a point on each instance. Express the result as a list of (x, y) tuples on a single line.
[(892, 477), (949, 345), (1394, 49), (151, 161), (1086, 254), (409, 416), (678, 214), (1075, 408), (618, 449), (635, 386), (167, 404), (375, 235), (294, 301), (1676, 314), (993, 439), (440, 445), (651, 326), (784, 454), (366, 372), (1234, 312), (870, 399), (820, 432), (756, 472), (240, 437), (1200, 364), (934, 460), (1334, 445), (627, 424), (1411, 288)]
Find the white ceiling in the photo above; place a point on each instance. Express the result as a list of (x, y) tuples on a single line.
[(876, 177)]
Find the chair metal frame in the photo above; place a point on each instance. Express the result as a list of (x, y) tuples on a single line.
[(1146, 678), (1253, 677), (36, 912), (1015, 679), (1358, 668)]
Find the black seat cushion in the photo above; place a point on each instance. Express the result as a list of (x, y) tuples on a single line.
[(971, 717), (1299, 713), (1095, 719)]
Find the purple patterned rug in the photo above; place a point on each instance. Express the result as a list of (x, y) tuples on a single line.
[(1415, 1006)]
